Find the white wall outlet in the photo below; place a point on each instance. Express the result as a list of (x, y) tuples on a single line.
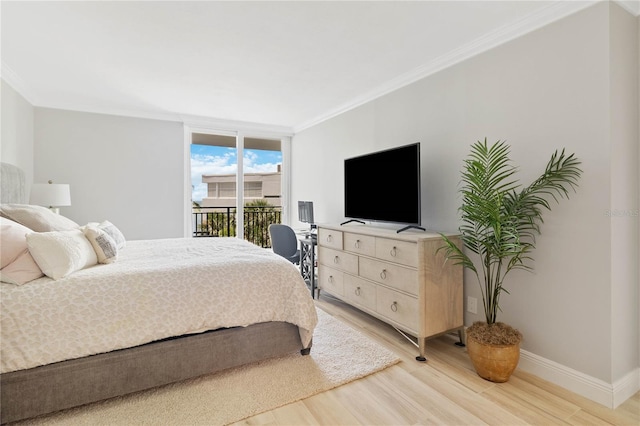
[(472, 305)]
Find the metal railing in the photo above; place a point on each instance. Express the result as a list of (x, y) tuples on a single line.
[(221, 222)]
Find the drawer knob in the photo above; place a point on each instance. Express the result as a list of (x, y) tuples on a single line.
[(393, 251), (336, 259), (394, 306), (357, 244), (329, 238), (383, 274), (357, 292), (330, 279)]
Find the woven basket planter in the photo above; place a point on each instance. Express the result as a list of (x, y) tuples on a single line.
[(495, 363)]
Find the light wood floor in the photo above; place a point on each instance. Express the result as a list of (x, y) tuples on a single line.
[(444, 390)]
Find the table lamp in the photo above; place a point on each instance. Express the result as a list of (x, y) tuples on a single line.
[(52, 195)]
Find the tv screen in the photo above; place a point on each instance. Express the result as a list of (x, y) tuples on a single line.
[(384, 186)]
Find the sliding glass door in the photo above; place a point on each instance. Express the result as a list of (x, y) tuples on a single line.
[(224, 201)]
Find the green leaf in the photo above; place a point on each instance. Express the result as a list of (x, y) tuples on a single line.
[(500, 218)]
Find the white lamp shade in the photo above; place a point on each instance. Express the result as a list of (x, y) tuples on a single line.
[(50, 194)]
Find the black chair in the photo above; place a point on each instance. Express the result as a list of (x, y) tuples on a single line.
[(284, 242)]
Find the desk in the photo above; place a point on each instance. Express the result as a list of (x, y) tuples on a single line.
[(308, 261)]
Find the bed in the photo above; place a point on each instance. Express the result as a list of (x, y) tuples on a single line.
[(160, 311)]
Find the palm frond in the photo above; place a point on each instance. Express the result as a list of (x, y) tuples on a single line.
[(500, 220)]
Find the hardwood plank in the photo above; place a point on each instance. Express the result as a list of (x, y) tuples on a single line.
[(543, 399), (630, 407), (262, 419), (411, 389), (466, 396), (502, 396), (328, 408), (445, 390), (582, 418), (370, 404), (620, 416), (296, 413)]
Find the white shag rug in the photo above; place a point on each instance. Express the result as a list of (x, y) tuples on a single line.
[(339, 355)]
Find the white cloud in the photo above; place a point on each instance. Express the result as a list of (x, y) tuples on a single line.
[(254, 162), (202, 164)]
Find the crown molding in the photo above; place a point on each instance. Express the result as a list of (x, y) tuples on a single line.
[(17, 83), (501, 35), (199, 122), (631, 6), (121, 112)]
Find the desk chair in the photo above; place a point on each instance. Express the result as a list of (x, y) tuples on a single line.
[(284, 242)]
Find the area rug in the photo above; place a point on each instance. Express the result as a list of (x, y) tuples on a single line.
[(340, 354)]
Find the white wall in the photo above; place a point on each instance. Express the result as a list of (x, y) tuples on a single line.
[(16, 145), (625, 184), (548, 90), (129, 171)]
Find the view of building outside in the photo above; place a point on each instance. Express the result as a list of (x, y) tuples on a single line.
[(207, 160), (214, 192), (221, 189)]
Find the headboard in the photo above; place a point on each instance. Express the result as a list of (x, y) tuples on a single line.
[(13, 188)]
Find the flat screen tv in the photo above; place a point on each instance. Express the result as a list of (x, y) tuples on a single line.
[(384, 186)]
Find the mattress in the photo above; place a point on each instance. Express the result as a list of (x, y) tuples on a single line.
[(155, 290)]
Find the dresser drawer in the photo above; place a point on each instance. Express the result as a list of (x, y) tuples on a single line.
[(392, 275), (358, 243), (331, 280), (330, 238), (338, 259), (398, 307), (359, 291), (403, 252)]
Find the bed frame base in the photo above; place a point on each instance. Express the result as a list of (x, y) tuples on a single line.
[(54, 387)]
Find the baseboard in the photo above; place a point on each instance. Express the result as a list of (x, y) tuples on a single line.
[(626, 387), (610, 395)]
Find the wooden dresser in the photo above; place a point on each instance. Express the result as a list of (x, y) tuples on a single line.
[(396, 277)]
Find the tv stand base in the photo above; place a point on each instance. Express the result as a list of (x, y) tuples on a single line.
[(352, 220), (410, 227)]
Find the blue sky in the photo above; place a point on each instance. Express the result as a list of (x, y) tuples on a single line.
[(211, 160)]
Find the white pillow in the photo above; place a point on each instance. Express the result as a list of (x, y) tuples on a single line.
[(21, 271), (114, 233), (14, 240), (59, 253), (105, 247), (37, 218), (18, 267)]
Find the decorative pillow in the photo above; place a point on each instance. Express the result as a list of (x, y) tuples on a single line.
[(104, 246), (14, 240), (22, 270), (60, 253), (16, 265), (113, 232), (37, 218)]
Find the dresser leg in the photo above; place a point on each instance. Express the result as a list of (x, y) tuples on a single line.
[(460, 337), (422, 343)]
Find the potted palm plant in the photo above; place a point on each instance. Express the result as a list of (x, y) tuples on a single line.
[(500, 220)]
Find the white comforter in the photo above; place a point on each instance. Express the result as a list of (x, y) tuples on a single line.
[(156, 289)]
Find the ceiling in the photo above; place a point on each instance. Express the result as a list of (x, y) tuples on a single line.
[(282, 65)]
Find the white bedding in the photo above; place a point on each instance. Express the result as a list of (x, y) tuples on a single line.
[(156, 289)]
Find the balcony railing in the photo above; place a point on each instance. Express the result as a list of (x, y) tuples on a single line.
[(221, 222)]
